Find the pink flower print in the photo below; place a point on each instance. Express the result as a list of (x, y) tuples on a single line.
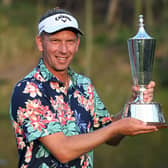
[(32, 89), (19, 84), (34, 107), (54, 85), (24, 166), (69, 115), (21, 114), (49, 117), (96, 122), (91, 106), (106, 119), (36, 122), (63, 90), (88, 104), (57, 103), (84, 161), (28, 155), (76, 93), (81, 99), (63, 110), (89, 125), (20, 142), (90, 91), (62, 118), (39, 77), (54, 104), (18, 130), (85, 164)]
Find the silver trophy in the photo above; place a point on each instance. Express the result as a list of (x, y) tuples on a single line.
[(141, 54)]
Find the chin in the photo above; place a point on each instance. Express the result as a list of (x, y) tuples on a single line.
[(61, 69)]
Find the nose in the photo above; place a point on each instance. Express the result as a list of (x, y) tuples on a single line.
[(63, 47)]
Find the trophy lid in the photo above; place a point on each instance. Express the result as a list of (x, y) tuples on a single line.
[(141, 32)]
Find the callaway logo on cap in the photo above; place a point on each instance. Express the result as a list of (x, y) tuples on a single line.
[(58, 22)]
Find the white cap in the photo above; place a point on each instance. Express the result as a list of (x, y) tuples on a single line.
[(58, 22)]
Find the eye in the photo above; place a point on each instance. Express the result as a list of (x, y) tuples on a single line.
[(55, 41), (72, 41)]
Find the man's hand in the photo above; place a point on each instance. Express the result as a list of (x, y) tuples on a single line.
[(148, 93), (129, 127), (132, 126)]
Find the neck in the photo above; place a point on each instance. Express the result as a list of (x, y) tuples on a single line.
[(60, 75)]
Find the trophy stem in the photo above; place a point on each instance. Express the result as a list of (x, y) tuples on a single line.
[(140, 93), (142, 88)]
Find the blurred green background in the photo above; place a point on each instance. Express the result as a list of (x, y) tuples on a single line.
[(103, 56)]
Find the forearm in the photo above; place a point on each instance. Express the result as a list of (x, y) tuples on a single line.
[(67, 148)]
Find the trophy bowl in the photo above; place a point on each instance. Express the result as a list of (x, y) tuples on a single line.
[(141, 50)]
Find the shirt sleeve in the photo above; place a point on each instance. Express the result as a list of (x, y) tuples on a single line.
[(32, 111), (101, 116)]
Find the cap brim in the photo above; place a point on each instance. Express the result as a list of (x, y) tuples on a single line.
[(59, 22), (76, 31)]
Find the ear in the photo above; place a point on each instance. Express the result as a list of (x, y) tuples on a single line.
[(39, 43), (77, 44)]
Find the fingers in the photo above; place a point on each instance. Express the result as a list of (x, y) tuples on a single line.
[(135, 89), (132, 126), (151, 84), (146, 129), (148, 93), (149, 128)]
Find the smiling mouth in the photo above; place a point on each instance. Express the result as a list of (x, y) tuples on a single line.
[(62, 59)]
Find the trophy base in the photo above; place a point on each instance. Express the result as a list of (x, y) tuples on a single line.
[(148, 112)]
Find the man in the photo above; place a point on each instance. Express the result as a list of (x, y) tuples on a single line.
[(56, 113)]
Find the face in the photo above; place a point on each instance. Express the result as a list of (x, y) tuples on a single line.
[(58, 49)]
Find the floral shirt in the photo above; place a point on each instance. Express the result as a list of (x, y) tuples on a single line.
[(41, 106)]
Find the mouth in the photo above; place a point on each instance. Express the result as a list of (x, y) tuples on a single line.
[(62, 59)]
